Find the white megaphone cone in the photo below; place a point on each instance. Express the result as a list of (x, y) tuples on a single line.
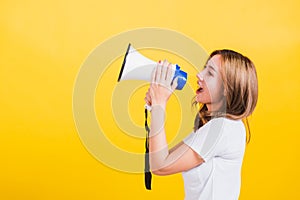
[(137, 67)]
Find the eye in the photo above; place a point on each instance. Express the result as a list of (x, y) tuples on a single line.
[(210, 74)]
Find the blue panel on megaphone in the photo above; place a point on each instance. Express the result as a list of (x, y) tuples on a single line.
[(182, 77)]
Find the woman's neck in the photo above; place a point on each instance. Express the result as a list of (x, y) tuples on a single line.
[(216, 107)]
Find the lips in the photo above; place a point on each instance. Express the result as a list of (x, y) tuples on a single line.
[(199, 90), (200, 87)]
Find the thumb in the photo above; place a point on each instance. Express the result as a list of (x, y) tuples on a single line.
[(174, 84)]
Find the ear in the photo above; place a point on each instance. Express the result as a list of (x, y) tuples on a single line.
[(224, 90)]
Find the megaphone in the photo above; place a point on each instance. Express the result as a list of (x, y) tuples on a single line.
[(137, 67)]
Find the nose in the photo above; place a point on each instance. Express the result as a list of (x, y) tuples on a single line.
[(200, 76)]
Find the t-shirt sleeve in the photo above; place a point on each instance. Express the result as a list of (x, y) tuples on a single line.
[(208, 141)]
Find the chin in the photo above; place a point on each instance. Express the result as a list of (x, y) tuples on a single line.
[(199, 99)]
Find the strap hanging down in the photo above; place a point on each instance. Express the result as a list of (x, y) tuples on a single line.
[(148, 175)]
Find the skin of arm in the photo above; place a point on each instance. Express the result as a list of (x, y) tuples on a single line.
[(162, 160)]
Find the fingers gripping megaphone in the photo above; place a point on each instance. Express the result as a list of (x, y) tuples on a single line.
[(137, 67)]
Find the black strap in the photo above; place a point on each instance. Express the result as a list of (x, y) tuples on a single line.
[(148, 175)]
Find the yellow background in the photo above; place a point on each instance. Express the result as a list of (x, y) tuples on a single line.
[(43, 44)]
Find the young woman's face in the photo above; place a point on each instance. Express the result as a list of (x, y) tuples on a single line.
[(210, 85)]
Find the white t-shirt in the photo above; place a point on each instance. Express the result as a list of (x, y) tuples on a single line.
[(221, 143)]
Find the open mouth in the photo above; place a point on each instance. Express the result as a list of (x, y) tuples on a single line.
[(199, 90)]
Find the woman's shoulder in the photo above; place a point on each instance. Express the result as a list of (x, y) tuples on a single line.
[(226, 121), (226, 125), (223, 125)]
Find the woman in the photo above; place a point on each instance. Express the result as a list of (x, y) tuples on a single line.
[(210, 158)]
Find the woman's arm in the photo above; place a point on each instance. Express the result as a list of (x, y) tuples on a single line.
[(181, 157), (162, 160)]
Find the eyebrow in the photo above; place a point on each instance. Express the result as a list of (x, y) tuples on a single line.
[(212, 68)]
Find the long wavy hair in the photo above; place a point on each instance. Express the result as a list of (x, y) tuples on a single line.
[(239, 78)]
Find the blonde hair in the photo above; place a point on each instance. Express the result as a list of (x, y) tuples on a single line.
[(240, 85)]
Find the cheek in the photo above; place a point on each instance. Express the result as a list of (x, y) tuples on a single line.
[(216, 90)]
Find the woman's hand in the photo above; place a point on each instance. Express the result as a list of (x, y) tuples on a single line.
[(161, 87)]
